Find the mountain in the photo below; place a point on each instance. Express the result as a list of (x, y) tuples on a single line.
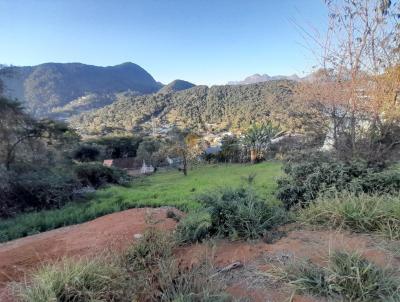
[(258, 78), (51, 86), (176, 86), (221, 107)]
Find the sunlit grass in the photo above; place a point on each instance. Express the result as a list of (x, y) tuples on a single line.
[(165, 188), (173, 188)]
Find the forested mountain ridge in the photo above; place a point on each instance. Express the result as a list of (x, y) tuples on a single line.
[(225, 106), (259, 78), (176, 86), (44, 87)]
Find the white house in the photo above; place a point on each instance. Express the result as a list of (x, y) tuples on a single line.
[(146, 169)]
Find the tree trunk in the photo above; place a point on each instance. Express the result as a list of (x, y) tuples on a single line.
[(335, 130), (353, 133), (253, 156), (184, 165)]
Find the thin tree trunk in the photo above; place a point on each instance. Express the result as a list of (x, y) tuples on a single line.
[(253, 156), (184, 165)]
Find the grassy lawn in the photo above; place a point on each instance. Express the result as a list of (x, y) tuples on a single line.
[(169, 188)]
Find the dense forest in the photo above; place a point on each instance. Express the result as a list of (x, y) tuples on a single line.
[(229, 107)]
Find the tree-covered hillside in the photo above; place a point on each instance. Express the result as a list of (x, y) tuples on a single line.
[(53, 85), (226, 106), (176, 86)]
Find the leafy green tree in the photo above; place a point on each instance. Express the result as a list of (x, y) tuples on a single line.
[(148, 149), (230, 149), (185, 144), (119, 146), (86, 153), (19, 133)]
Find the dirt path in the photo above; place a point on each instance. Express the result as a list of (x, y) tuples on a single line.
[(111, 231)]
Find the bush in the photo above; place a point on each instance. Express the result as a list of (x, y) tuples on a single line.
[(232, 213), (79, 281), (97, 175), (348, 277), (118, 146), (35, 189), (362, 213), (240, 213), (310, 175), (86, 153), (148, 251), (383, 182), (194, 227)]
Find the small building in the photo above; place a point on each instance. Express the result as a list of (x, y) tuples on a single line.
[(129, 163), (146, 169), (174, 161)]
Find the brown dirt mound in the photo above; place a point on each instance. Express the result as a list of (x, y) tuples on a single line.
[(114, 231)]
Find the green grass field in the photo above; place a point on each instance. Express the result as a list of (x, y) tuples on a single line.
[(169, 188)]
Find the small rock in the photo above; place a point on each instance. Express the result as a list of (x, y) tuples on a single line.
[(138, 236)]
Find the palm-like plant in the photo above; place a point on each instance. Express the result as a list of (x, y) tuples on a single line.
[(257, 139)]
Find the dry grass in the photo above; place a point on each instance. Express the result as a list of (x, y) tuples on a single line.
[(147, 271), (362, 213), (347, 277)]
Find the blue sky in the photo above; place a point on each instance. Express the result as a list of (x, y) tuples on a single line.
[(202, 41)]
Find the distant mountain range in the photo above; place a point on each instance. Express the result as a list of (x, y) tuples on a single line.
[(126, 96), (48, 87), (259, 78)]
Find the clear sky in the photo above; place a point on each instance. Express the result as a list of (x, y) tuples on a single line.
[(202, 41)]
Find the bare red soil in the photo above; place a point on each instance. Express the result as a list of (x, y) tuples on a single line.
[(253, 281), (257, 283), (114, 231)]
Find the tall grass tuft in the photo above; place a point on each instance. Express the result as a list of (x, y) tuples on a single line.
[(362, 213), (153, 247), (147, 271), (194, 227), (79, 281), (348, 277), (176, 283)]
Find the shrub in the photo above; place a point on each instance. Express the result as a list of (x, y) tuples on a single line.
[(118, 146), (240, 213), (348, 277), (362, 213), (383, 182), (35, 189), (148, 251), (230, 149), (310, 175), (86, 153), (79, 281), (194, 227), (97, 175)]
